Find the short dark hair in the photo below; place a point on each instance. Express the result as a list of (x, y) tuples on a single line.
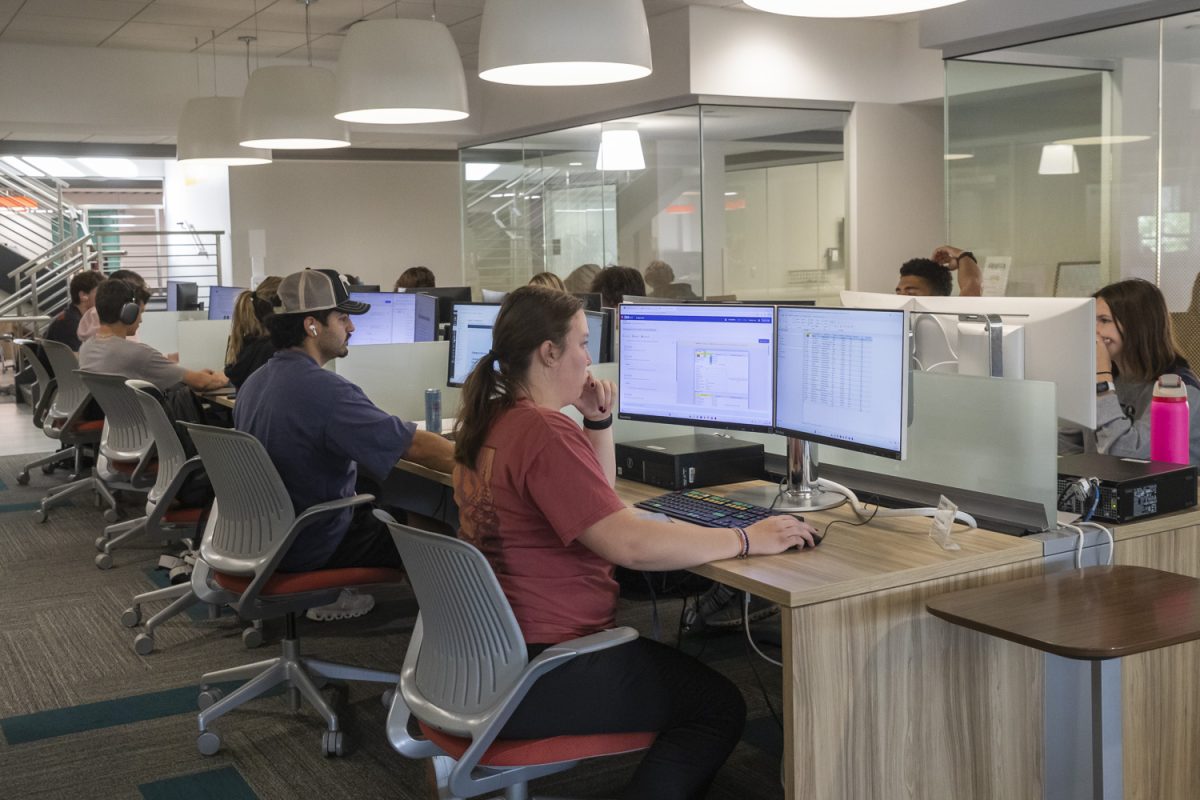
[(129, 275), (114, 293), (933, 273), (83, 282), (287, 330), (613, 283), (416, 278)]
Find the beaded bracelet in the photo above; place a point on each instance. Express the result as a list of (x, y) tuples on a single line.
[(745, 542)]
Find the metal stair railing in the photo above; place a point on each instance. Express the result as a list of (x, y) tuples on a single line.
[(42, 282), (32, 230)]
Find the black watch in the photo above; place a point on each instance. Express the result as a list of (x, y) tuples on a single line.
[(1105, 386), (598, 425), (967, 254)]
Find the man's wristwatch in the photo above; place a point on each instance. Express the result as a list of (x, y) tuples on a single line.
[(1105, 386), (966, 254)]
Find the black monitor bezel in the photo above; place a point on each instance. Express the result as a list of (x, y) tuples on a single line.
[(727, 426), (883, 452), (592, 301), (450, 337), (446, 296)]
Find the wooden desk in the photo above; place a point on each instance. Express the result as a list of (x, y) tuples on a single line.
[(1096, 614)]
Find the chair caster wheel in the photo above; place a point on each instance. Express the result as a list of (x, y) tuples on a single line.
[(332, 743), (208, 697), (103, 561), (143, 644), (387, 697), (111, 515), (40, 515), (131, 617), (252, 638), (102, 544), (208, 743), (23, 479), (47, 469)]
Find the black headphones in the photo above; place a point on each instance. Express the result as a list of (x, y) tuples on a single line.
[(131, 309)]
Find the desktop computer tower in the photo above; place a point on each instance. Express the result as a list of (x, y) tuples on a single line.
[(684, 462), (1130, 488)]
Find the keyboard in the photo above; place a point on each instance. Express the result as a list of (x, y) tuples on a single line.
[(703, 508)]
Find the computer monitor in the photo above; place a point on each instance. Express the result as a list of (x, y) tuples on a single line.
[(363, 288), (447, 296), (696, 364), (1042, 339), (394, 318), (470, 337), (600, 329), (183, 296), (842, 378), (591, 300), (221, 300)]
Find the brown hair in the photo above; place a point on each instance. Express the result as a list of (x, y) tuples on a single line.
[(245, 325), (416, 278), (580, 279), (529, 316), (1148, 346), (613, 283), (549, 280)]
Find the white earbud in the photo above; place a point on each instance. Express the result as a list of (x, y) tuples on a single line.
[(313, 328)]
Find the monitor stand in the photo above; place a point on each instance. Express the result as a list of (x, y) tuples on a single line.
[(802, 494)]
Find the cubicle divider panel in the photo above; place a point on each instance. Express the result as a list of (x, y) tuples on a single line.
[(395, 376), (202, 343), (160, 329)]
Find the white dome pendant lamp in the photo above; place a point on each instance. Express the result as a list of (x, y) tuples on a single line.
[(208, 126), (846, 8), (564, 42), (291, 108), (400, 72)]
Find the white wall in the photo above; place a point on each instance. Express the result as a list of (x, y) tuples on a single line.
[(372, 219), (199, 196), (896, 190)]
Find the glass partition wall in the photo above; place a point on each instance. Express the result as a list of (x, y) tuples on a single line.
[(738, 202), (1073, 162)]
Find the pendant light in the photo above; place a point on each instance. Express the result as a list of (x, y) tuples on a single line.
[(846, 8), (1058, 159), (564, 42), (400, 72), (208, 129), (291, 108), (620, 148)]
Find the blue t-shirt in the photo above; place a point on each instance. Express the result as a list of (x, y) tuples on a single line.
[(318, 429)]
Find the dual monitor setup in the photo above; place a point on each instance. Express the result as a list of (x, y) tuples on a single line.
[(185, 296)]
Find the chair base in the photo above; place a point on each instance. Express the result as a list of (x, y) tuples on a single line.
[(289, 668), (61, 494)]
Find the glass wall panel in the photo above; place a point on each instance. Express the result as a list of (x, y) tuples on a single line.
[(736, 201)]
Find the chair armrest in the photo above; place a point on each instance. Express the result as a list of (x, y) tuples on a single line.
[(590, 644), (189, 468), (139, 472), (45, 400), (402, 741)]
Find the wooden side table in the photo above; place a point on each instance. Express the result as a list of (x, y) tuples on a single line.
[(1098, 614)]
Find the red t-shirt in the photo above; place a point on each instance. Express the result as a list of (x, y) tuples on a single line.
[(536, 487)]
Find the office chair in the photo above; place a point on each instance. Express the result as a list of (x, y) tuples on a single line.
[(64, 421), (466, 671), (42, 398), (165, 519), (251, 526)]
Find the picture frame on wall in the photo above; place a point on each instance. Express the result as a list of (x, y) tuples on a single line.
[(995, 275)]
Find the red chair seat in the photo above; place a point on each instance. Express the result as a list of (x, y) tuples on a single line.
[(299, 582), (86, 426), (181, 516), (129, 467), (552, 750)]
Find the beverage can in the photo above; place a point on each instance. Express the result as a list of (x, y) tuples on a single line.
[(433, 410)]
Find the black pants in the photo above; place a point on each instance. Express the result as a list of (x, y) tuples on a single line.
[(641, 686), (367, 543)]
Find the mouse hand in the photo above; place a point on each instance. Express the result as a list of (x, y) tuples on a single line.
[(778, 533)]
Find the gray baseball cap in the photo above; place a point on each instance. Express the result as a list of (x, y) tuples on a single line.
[(316, 290)]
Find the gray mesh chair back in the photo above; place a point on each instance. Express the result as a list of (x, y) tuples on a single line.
[(71, 395), (126, 435), (170, 452), (472, 651), (28, 351), (253, 511)]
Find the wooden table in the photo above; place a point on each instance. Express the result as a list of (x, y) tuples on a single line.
[(1098, 614)]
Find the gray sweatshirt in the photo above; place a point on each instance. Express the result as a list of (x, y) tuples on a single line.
[(1123, 421)]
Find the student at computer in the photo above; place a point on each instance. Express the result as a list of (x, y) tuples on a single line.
[(613, 283), (320, 429), (89, 323), (580, 279), (660, 279), (1134, 346), (549, 280), (65, 325), (119, 307), (535, 494), (416, 278), (250, 344), (931, 277)]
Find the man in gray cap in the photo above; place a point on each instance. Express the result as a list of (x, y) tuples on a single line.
[(319, 429)]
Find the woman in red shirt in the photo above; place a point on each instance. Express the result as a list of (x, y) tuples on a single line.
[(535, 494)]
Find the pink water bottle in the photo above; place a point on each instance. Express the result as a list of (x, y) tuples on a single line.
[(1169, 429)]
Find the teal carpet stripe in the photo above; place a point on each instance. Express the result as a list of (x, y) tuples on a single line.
[(218, 784), (104, 714), (12, 507)]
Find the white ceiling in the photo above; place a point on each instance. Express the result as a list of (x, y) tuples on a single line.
[(185, 25)]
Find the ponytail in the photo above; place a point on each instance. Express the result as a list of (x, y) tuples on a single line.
[(245, 325), (529, 316)]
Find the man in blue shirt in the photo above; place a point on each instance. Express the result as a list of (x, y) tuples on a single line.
[(319, 428)]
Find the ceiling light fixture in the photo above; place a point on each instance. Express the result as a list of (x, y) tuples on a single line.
[(291, 108), (846, 8), (620, 148), (564, 42), (1058, 159), (400, 72), (957, 156), (1117, 139), (208, 127), (477, 171)]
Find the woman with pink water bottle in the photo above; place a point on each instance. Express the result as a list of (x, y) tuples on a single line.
[(1135, 352)]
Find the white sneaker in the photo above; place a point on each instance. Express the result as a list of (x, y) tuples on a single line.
[(350, 604)]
